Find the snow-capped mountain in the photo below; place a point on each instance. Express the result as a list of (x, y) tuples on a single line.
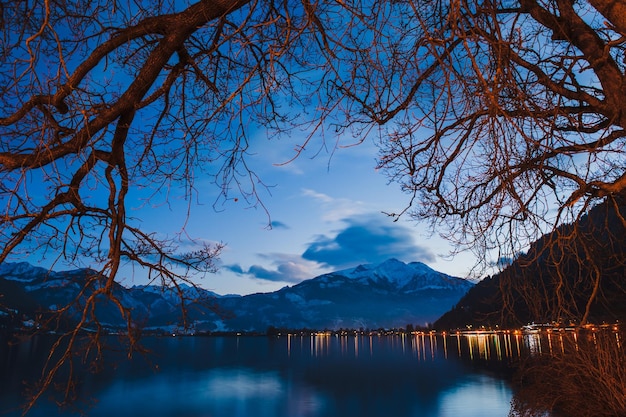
[(408, 278), (173, 294), (390, 294)]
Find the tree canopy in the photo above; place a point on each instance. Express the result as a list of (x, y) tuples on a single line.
[(517, 122), (490, 114)]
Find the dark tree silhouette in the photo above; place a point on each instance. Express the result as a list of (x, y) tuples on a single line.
[(501, 119), (505, 120)]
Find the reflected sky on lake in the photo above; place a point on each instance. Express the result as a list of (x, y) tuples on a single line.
[(479, 396), (243, 392), (291, 377)]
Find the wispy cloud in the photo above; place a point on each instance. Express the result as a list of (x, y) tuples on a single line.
[(286, 268), (335, 209), (275, 224), (324, 198)]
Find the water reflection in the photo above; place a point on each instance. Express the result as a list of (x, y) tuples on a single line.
[(509, 346), (327, 375), (490, 345), (422, 346), (502, 346)]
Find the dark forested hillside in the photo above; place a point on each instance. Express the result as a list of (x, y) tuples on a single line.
[(574, 274)]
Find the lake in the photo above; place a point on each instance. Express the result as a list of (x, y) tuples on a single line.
[(420, 375)]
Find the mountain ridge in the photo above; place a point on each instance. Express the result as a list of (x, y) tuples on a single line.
[(389, 294)]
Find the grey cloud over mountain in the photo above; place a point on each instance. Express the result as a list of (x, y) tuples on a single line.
[(366, 239)]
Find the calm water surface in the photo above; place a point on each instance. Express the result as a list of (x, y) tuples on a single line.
[(287, 376)]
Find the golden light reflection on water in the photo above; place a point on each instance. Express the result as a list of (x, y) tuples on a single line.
[(428, 346)]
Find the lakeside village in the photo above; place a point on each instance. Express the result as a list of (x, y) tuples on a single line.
[(533, 328), (414, 330), (30, 326)]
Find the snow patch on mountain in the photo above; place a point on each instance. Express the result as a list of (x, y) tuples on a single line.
[(295, 298), (55, 283), (414, 276), (21, 271), (173, 294)]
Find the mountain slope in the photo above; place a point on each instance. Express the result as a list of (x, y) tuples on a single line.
[(556, 278), (391, 294)]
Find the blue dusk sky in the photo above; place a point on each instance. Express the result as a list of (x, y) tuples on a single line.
[(326, 210)]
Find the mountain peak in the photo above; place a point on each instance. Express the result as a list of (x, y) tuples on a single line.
[(412, 276)]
